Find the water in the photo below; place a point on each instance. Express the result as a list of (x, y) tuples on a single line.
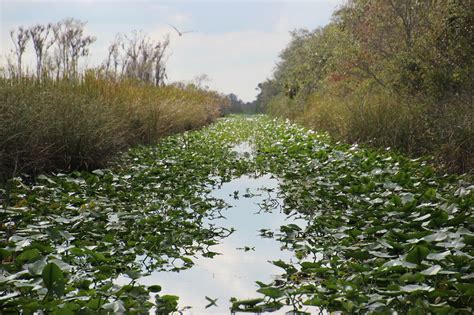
[(245, 255), (244, 149)]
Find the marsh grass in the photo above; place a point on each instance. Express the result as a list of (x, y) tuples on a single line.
[(82, 124), (413, 126)]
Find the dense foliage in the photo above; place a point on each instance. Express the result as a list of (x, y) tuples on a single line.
[(67, 237), (388, 73), (384, 233)]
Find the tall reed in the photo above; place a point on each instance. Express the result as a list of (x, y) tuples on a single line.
[(81, 124)]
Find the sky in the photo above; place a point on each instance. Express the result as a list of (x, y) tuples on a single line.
[(235, 43)]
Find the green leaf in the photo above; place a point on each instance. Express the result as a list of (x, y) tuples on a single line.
[(416, 311), (37, 267), (154, 288), (415, 287), (433, 270), (466, 288), (271, 292), (28, 255), (67, 309), (53, 279), (438, 256), (115, 307), (287, 267), (430, 193), (417, 254)]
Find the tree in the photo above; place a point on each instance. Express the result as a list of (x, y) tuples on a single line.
[(139, 57), (41, 43), (71, 44), (20, 39)]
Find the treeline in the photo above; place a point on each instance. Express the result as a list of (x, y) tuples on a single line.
[(390, 73), (59, 47), (236, 106), (61, 115)]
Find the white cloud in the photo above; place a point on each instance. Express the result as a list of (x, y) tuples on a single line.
[(235, 61), (235, 58)]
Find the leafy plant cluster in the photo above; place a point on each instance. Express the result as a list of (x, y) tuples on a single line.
[(65, 238), (387, 73), (384, 233)]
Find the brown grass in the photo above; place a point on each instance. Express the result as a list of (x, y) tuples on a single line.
[(65, 125)]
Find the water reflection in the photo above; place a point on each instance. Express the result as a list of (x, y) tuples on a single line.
[(244, 255), (244, 149)]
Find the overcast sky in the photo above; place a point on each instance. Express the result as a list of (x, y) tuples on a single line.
[(236, 43)]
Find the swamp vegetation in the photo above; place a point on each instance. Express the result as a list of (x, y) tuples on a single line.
[(387, 73), (108, 174), (383, 233)]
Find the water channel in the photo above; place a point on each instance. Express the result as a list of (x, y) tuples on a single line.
[(244, 256)]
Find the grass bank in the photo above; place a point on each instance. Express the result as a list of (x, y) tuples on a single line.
[(82, 124)]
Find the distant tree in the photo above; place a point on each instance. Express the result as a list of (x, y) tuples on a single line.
[(138, 57), (41, 43), (112, 62), (237, 106), (20, 39), (201, 79), (71, 44)]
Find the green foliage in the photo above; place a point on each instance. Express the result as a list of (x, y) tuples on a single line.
[(67, 237), (383, 233), (166, 304), (388, 73), (53, 279)]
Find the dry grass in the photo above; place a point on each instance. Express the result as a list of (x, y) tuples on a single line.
[(64, 125), (375, 117)]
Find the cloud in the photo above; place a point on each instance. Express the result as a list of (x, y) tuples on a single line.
[(235, 61), (235, 44)]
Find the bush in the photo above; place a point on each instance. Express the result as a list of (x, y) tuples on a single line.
[(388, 73)]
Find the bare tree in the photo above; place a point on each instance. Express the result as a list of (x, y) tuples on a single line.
[(113, 55), (20, 39), (139, 56), (132, 48), (39, 36), (201, 79), (160, 63), (71, 45)]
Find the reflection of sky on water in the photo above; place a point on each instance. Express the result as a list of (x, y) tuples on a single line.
[(234, 272), (244, 148)]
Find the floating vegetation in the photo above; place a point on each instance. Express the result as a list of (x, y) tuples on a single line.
[(383, 233)]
